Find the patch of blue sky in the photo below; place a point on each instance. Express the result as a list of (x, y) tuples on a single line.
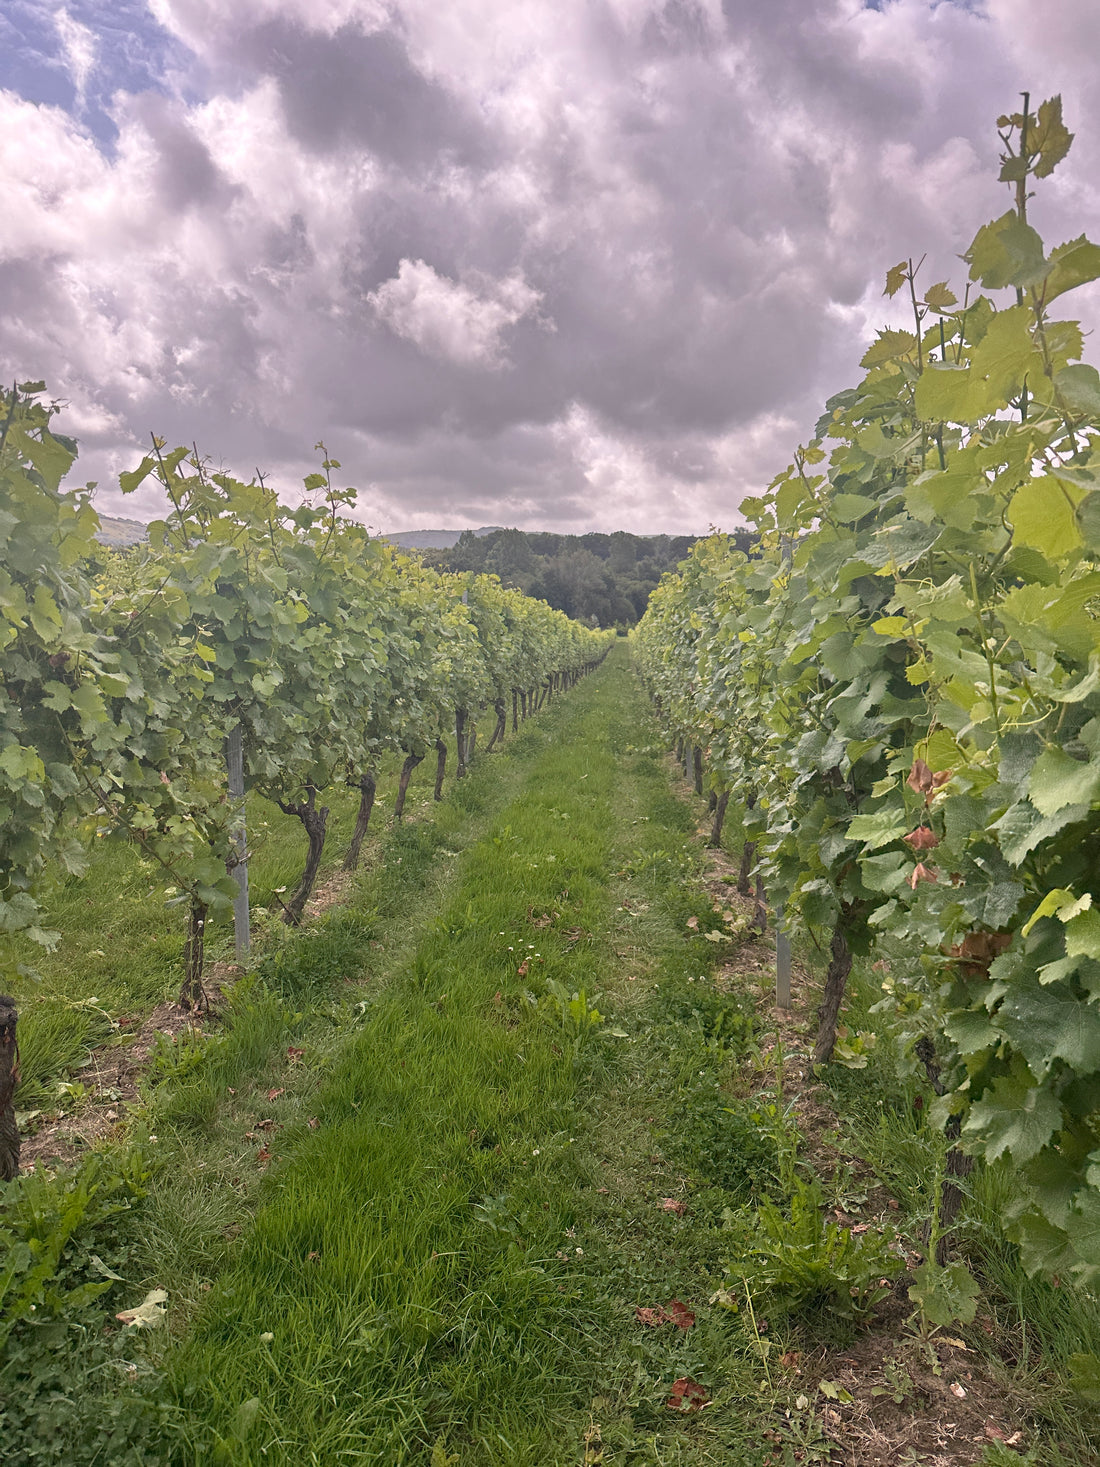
[(77, 56)]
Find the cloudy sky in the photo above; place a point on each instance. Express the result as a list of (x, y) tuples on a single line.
[(564, 264)]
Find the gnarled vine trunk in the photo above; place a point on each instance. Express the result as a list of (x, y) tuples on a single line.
[(460, 740), (697, 758), (515, 710), (836, 979), (9, 1081), (411, 761), (440, 767), (502, 724), (193, 995), (958, 1165), (316, 826), (720, 803), (367, 786)]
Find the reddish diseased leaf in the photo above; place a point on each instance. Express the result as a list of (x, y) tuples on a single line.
[(978, 950), (922, 779), (679, 1314), (274, 1094), (921, 872), (673, 1204), (651, 1317), (687, 1395), (522, 969), (921, 839), (294, 1055)]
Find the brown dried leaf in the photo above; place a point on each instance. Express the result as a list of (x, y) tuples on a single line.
[(687, 1395)]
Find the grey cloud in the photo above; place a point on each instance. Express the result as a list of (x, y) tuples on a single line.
[(359, 89)]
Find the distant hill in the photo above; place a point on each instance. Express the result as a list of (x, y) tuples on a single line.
[(119, 533), (434, 539), (603, 579)]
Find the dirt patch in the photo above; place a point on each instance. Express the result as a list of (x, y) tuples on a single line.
[(886, 1400), (111, 1079), (330, 892)]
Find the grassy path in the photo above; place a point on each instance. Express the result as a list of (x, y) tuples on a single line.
[(446, 1268)]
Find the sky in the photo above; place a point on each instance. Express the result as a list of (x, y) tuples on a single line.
[(562, 264)]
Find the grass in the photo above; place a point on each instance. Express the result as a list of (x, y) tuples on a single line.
[(121, 944), (408, 1201)]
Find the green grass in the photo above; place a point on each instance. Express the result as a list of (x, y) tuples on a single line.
[(121, 946)]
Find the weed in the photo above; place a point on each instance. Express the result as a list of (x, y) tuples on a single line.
[(807, 1267)]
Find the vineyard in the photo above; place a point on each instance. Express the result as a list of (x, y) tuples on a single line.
[(900, 696), (512, 1134)]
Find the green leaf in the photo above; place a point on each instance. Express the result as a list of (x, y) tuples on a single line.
[(1057, 780), (947, 1295), (1083, 934), (129, 481), (1079, 388), (895, 279), (1014, 1118), (939, 297), (1084, 1377), (1047, 907), (1049, 140), (1021, 828), (1006, 252), (1050, 1022), (1072, 264), (879, 828), (1043, 515)]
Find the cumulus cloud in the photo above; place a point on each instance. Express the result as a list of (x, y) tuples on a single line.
[(562, 263), (449, 320)]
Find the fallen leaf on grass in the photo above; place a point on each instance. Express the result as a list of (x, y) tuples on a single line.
[(650, 1317), (313, 1123), (263, 1156), (673, 1204), (676, 1312), (148, 1313), (274, 1094), (693, 923), (680, 1315), (294, 1055), (687, 1395)]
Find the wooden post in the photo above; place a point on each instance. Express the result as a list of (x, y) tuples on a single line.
[(234, 767)]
